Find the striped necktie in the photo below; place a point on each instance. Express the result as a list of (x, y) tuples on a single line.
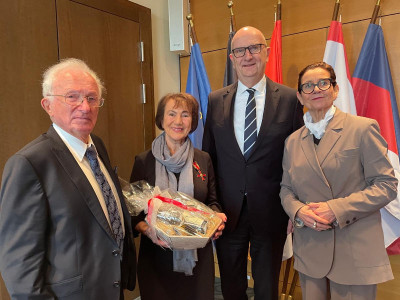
[(111, 203), (250, 124)]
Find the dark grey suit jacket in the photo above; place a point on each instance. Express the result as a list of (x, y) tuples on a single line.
[(55, 241), (261, 175)]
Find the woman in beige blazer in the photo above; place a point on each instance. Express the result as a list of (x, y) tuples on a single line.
[(336, 178)]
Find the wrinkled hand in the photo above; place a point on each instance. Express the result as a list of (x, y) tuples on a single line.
[(221, 227), (307, 214), (150, 232), (323, 210)]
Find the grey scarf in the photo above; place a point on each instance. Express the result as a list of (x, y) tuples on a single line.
[(166, 165)]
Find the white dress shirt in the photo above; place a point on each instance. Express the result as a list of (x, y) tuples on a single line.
[(239, 109), (78, 150)]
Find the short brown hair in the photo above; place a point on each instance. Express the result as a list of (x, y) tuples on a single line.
[(180, 99), (322, 65)]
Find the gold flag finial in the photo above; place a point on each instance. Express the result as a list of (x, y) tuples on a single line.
[(189, 17), (233, 21)]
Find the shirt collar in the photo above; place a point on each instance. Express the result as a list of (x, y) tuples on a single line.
[(259, 87), (74, 144)]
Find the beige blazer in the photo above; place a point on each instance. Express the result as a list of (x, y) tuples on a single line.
[(350, 171)]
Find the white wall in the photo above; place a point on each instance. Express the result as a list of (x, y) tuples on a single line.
[(165, 62)]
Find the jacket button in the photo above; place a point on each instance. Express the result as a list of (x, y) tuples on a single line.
[(115, 252), (347, 222), (354, 218), (116, 284)]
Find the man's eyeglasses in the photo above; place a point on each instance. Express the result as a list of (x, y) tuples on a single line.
[(323, 84), (253, 49), (76, 99)]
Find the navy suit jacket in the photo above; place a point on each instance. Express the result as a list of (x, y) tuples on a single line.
[(55, 241), (259, 177)]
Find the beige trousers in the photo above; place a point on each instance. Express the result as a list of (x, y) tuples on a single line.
[(324, 289)]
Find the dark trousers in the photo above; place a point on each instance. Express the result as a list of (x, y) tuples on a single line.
[(266, 258)]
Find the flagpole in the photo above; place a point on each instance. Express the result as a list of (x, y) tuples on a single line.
[(376, 11), (278, 11), (336, 10), (233, 20), (192, 30)]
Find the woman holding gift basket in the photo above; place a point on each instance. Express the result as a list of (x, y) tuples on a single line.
[(174, 163), (336, 178)]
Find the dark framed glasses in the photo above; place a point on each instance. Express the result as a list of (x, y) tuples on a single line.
[(323, 84), (253, 49)]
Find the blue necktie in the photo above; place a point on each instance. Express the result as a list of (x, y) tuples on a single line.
[(108, 195), (250, 125)]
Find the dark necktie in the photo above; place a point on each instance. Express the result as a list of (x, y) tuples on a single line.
[(250, 125), (108, 195)]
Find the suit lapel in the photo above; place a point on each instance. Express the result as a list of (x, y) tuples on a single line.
[(316, 157), (307, 145), (228, 100), (69, 164), (332, 134)]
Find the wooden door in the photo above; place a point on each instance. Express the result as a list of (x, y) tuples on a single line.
[(110, 45), (28, 44)]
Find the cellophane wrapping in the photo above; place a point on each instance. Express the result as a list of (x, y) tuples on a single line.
[(178, 219)]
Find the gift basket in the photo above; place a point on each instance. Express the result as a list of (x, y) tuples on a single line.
[(178, 219)]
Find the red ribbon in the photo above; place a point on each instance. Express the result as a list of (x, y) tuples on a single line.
[(197, 167), (176, 203)]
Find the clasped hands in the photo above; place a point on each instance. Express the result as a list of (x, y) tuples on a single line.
[(317, 215)]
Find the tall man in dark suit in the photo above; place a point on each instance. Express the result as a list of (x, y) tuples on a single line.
[(247, 124), (65, 231)]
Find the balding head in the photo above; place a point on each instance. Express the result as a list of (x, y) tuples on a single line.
[(250, 67)]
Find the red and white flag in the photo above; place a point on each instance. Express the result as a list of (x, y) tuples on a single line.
[(335, 55)]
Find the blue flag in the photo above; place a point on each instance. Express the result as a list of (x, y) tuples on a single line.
[(198, 86)]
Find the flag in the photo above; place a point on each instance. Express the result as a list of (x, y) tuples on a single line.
[(198, 86), (375, 98), (230, 73), (335, 55), (273, 69)]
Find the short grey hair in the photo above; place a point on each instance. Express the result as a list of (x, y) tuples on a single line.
[(68, 63)]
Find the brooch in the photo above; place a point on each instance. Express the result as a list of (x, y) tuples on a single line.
[(201, 174)]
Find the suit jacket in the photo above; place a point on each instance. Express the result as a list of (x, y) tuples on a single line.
[(55, 241), (350, 171), (260, 176)]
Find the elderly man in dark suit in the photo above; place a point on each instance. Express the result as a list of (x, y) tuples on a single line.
[(65, 231), (247, 124)]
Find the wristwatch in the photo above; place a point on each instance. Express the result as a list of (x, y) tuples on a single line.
[(298, 223)]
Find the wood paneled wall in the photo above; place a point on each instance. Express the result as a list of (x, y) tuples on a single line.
[(305, 26)]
